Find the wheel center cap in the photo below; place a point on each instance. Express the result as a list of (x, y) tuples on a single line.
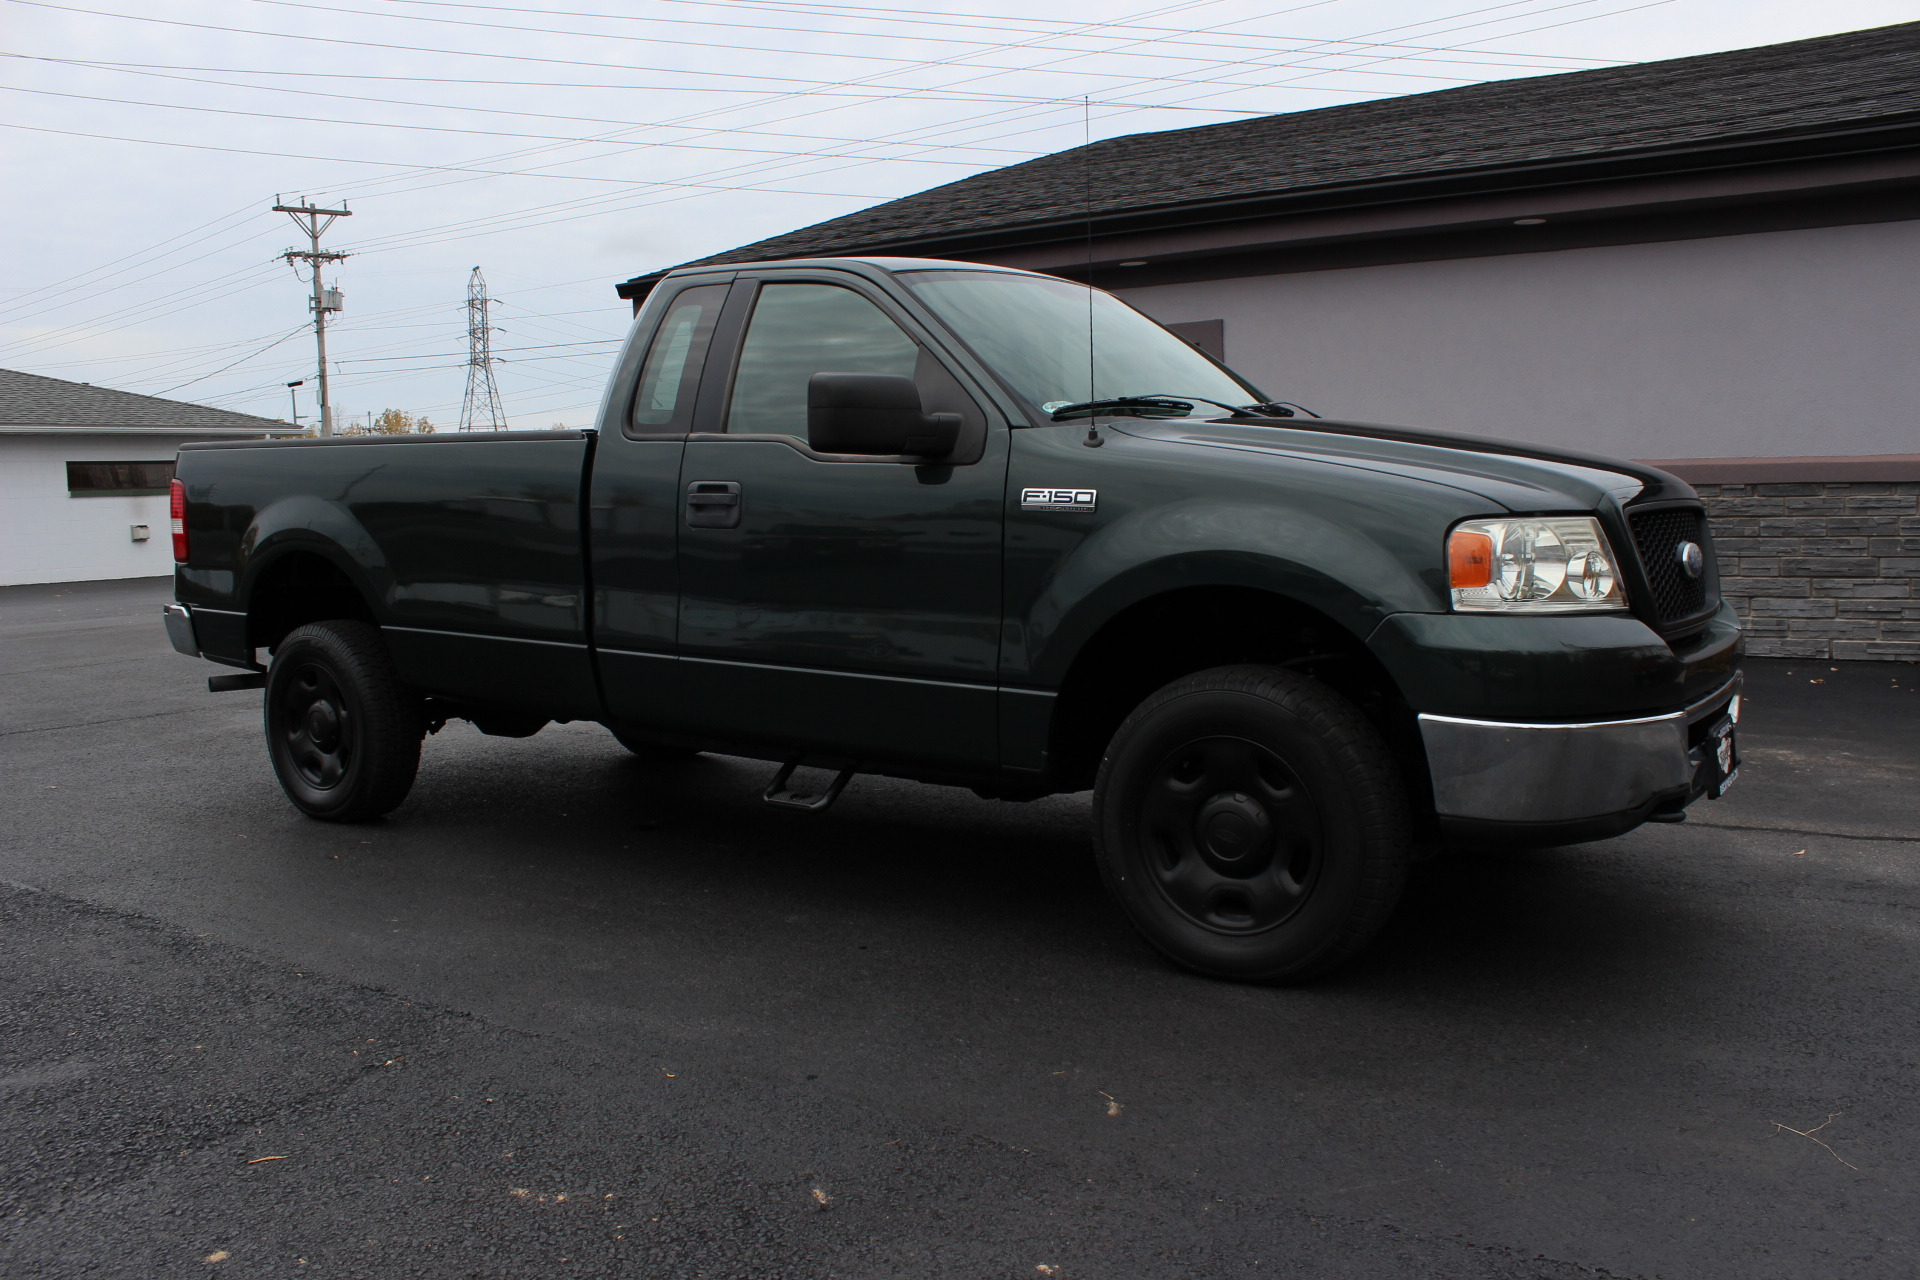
[(1234, 829), (323, 725)]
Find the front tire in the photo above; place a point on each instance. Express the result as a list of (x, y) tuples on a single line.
[(342, 732), (1252, 824)]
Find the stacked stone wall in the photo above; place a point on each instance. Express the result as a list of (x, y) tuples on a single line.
[(1821, 570)]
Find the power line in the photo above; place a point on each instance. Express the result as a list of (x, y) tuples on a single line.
[(195, 296), (567, 141), (998, 24), (475, 82), (581, 142), (415, 239), (22, 296), (575, 142), (863, 159), (168, 353), (813, 85), (973, 79), (864, 80), (150, 278), (1574, 4), (428, 128), (395, 164), (242, 360), (192, 298), (660, 191), (755, 77), (703, 44), (447, 106), (493, 354)]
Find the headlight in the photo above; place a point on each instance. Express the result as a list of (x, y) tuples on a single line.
[(1538, 564)]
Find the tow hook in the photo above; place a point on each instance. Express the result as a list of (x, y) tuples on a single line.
[(781, 796)]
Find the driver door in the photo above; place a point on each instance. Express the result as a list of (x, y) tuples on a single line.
[(843, 604)]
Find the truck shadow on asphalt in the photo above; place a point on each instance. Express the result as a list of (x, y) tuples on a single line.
[(939, 870)]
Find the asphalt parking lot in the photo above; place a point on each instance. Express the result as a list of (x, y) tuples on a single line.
[(563, 1014)]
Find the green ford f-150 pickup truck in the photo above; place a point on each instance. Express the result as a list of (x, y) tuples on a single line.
[(994, 529)]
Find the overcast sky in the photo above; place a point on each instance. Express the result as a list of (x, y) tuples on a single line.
[(565, 146)]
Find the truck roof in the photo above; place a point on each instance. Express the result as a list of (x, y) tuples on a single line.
[(636, 290)]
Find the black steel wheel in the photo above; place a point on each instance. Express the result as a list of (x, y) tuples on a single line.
[(1252, 824), (343, 734), (1233, 836)]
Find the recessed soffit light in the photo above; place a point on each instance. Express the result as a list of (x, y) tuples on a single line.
[(1529, 222)]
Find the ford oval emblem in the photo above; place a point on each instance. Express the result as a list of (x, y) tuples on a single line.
[(1693, 561)]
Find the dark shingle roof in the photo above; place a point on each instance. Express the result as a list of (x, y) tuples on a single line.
[(1807, 88), (29, 400)]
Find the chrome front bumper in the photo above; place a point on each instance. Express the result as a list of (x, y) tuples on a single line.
[(180, 629), (1610, 773)]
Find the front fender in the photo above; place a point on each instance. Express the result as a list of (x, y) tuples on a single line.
[(1302, 555)]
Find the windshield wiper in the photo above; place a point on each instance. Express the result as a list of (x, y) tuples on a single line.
[(1177, 407), (1159, 404)]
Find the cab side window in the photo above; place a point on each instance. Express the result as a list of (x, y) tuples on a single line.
[(799, 330), (664, 400)]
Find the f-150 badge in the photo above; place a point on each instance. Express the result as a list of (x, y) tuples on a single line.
[(1059, 499)]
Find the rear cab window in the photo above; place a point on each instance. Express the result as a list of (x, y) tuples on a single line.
[(664, 397)]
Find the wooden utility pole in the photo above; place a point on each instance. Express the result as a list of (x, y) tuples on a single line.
[(314, 221)]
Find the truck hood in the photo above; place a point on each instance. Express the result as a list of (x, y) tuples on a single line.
[(1513, 475)]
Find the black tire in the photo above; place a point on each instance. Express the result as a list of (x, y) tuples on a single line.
[(342, 732), (652, 752), (1252, 824)]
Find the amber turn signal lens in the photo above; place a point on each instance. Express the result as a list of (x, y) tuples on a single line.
[(1469, 559)]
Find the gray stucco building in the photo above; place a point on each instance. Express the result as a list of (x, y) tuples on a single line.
[(1709, 263)]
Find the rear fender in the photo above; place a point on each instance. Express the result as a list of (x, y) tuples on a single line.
[(317, 526)]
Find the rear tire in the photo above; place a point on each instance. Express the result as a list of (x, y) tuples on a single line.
[(342, 732), (1252, 824)]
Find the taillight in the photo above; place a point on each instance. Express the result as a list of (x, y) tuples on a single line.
[(177, 512)]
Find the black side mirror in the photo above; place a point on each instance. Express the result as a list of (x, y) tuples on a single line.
[(875, 413)]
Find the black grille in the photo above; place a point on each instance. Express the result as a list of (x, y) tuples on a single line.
[(1658, 535)]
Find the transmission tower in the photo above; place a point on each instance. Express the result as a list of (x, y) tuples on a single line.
[(480, 410), (314, 221)]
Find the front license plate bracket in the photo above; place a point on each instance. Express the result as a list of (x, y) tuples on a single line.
[(1722, 758)]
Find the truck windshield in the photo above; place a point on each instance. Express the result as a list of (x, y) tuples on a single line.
[(1035, 333)]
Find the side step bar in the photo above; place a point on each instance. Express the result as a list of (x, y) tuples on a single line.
[(782, 796)]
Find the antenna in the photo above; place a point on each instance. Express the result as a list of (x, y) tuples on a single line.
[(483, 396), (1093, 440)]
